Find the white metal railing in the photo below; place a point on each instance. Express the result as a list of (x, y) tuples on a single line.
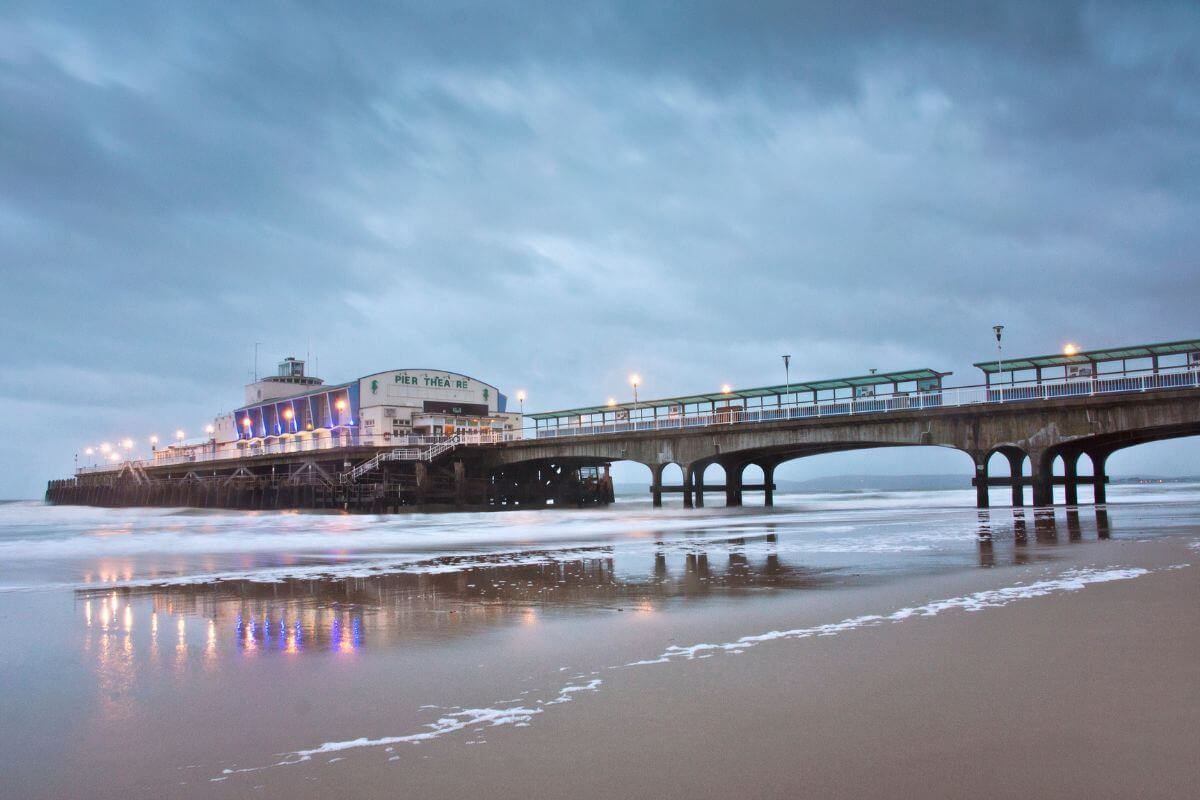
[(1048, 389), (405, 454), (341, 439), (962, 396)]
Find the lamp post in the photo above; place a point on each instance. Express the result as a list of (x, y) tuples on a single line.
[(787, 377), (179, 437), (999, 329), (521, 400), (635, 379)]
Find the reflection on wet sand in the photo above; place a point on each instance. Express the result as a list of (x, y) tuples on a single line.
[(991, 525), (452, 596), (456, 596)]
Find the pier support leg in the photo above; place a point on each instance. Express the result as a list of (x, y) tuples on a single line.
[(733, 484), (982, 499), (1070, 473), (1099, 476), (1041, 471), (768, 471), (698, 483), (422, 481), (687, 486), (656, 471), (460, 484), (1016, 468)]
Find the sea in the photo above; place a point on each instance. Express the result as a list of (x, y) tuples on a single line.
[(240, 642)]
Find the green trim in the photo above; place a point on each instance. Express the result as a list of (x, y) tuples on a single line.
[(1091, 356), (762, 391)]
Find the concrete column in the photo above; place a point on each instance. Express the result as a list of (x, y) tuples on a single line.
[(1099, 459), (1070, 473), (687, 486), (698, 482), (982, 500), (768, 471), (422, 480), (656, 471), (1016, 462), (733, 484), (460, 483), (1041, 468)]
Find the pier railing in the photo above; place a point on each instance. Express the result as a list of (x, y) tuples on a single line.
[(339, 439), (997, 394), (913, 401)]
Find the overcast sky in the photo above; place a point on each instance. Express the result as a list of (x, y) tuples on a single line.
[(549, 196)]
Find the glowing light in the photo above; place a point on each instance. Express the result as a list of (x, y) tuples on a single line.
[(105, 447), (179, 435), (154, 439), (612, 402), (179, 626), (1070, 349), (521, 395), (635, 379), (209, 429), (88, 451), (127, 444), (726, 388), (287, 414), (340, 405), (128, 618), (87, 611), (154, 622), (246, 422), (114, 456)]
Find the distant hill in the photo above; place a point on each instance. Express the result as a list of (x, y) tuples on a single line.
[(882, 483), (891, 483), (842, 483)]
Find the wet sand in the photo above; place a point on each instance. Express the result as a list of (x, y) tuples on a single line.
[(1089, 693), (760, 659)]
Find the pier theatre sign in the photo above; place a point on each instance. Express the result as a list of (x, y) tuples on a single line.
[(388, 388)]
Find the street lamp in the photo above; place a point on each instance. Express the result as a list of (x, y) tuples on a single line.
[(521, 400), (787, 377), (1070, 349), (635, 379), (105, 447), (179, 436), (726, 388), (999, 329), (153, 442), (127, 444)]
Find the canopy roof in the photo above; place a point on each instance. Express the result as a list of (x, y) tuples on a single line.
[(762, 391), (1091, 356)]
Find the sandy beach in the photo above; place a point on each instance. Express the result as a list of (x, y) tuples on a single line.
[(1055, 658)]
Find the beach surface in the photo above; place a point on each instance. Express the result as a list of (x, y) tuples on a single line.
[(857, 646)]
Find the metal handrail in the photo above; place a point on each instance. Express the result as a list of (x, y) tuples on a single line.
[(1047, 389), (1116, 383)]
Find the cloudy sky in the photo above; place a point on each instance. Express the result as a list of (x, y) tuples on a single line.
[(549, 196)]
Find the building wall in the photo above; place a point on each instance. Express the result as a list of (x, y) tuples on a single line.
[(412, 387)]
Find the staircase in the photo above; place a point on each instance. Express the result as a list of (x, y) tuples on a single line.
[(402, 454)]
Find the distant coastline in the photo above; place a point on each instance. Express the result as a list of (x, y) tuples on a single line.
[(902, 483)]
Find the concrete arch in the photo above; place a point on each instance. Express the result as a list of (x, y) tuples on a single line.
[(769, 465)]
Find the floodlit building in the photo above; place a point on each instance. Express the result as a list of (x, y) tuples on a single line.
[(373, 409)]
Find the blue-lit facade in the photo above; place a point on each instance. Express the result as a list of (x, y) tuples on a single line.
[(325, 408)]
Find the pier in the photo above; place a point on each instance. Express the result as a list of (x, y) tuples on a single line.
[(1042, 415)]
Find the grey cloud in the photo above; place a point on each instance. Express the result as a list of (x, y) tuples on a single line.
[(551, 195)]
